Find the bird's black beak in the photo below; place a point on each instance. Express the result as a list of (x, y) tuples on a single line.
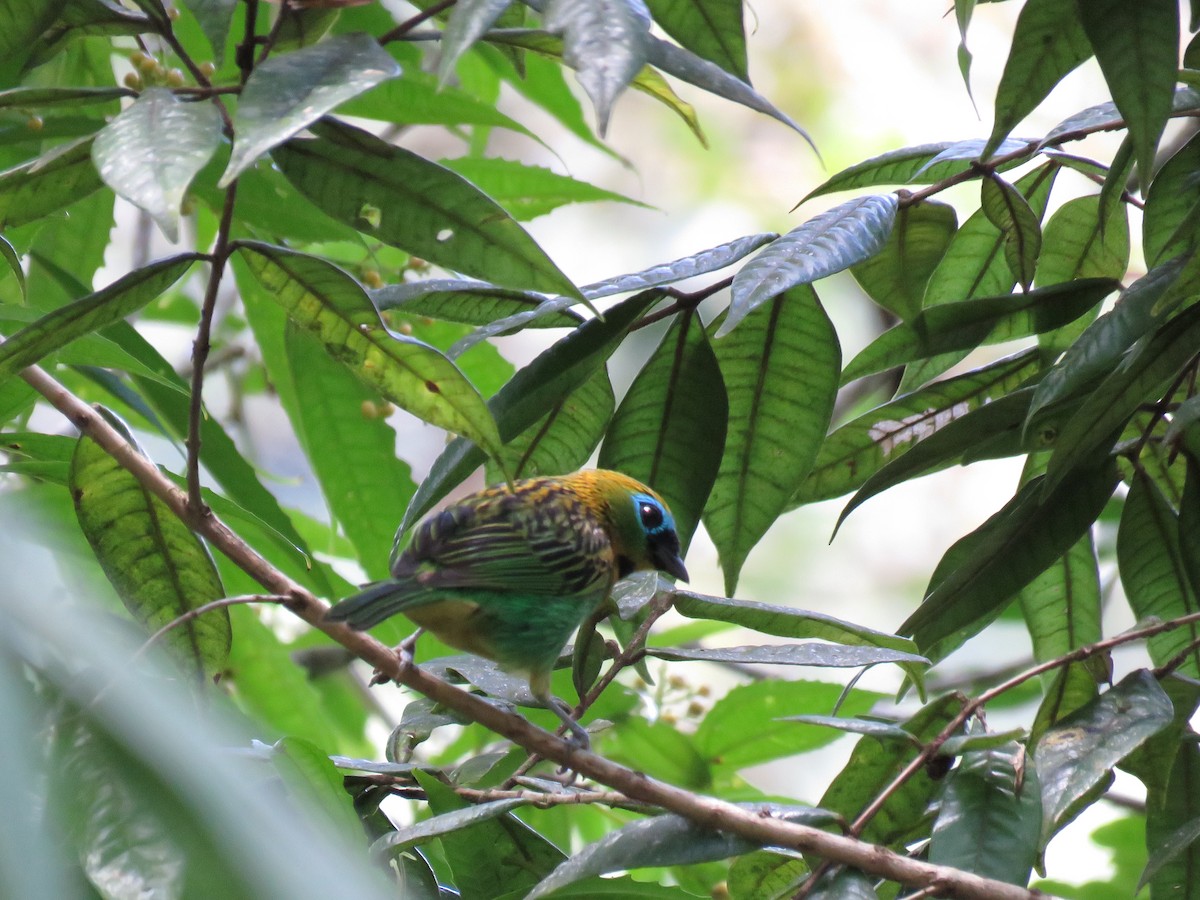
[(668, 560)]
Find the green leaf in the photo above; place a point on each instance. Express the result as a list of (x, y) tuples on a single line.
[(88, 314), (215, 18), (763, 875), (842, 883), (1048, 43), (1175, 852), (531, 394), (963, 326), (158, 567), (712, 29), (45, 185), (827, 243), (873, 765), (881, 731), (469, 302), (415, 99), (289, 92), (819, 655), (353, 454), (660, 750), (22, 21), (314, 782), (328, 303), (981, 572), (468, 22), (40, 97), (666, 840), (861, 447), (990, 817), (780, 373), (152, 150), (1128, 39), (1154, 572), (1104, 412), (896, 276), (747, 726), (1171, 221), (1078, 755), (529, 191), (1061, 606), (409, 202), (9, 252), (710, 260), (605, 42), (669, 430), (1008, 211), (1076, 244)]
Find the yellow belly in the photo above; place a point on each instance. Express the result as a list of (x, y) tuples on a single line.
[(451, 622)]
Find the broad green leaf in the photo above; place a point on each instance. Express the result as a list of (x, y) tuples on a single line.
[(881, 731), (22, 21), (13, 259), (315, 783), (983, 571), (353, 454), (40, 97), (896, 276), (1154, 572), (563, 440), (1079, 754), (88, 314), (711, 260), (971, 150), (963, 326), (669, 430), (874, 764), (469, 302), (529, 191), (605, 42), (836, 656), (1048, 43), (1171, 869), (747, 726), (33, 190), (415, 99), (1008, 211), (1069, 688), (712, 29), (780, 373), (1128, 39), (289, 92), (1105, 115), (861, 447), (827, 243), (991, 429), (445, 823), (512, 324), (660, 750), (469, 20), (531, 394), (1075, 244), (151, 151), (158, 567), (1171, 221), (990, 817), (1096, 352), (764, 875), (404, 200), (215, 17), (327, 302), (1140, 379), (666, 840), (1061, 606)]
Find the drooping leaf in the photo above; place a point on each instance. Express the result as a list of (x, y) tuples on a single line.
[(313, 781), (669, 430), (469, 302), (837, 656), (1127, 38), (37, 188), (214, 17), (290, 91), (712, 29), (158, 567), (409, 202), (983, 571), (1011, 213), (711, 260), (101, 308), (1080, 753), (896, 276), (328, 303), (468, 22), (1048, 43), (1174, 852), (1171, 223), (827, 243), (151, 151), (780, 374)]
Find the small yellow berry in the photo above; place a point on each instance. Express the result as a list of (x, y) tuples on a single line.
[(208, 69), (695, 709), (35, 123), (372, 279), (405, 328), (175, 78), (704, 690), (173, 14), (417, 264), (138, 59), (133, 80)]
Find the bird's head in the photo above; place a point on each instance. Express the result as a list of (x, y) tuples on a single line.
[(638, 521)]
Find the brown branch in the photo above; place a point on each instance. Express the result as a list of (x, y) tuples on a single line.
[(409, 24), (759, 827), (199, 611)]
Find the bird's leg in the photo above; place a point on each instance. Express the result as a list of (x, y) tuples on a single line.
[(578, 734), (404, 653)]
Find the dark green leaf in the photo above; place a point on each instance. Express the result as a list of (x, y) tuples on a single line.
[(37, 188), (90, 313), (158, 567), (780, 374), (38, 97), (1079, 753), (416, 99), (1047, 44), (1171, 222), (882, 731), (1008, 211), (711, 260), (812, 654), (712, 29), (469, 20), (469, 302), (13, 259), (842, 883), (1176, 855), (828, 243), (22, 21), (325, 301), (289, 92), (765, 876), (660, 750), (669, 430), (1077, 245), (215, 17), (314, 782), (1062, 605), (984, 570), (416, 205), (897, 275)]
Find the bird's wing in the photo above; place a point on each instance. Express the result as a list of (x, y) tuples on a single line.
[(556, 550)]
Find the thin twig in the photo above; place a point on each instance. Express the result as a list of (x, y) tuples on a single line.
[(759, 827), (409, 24), (186, 617)]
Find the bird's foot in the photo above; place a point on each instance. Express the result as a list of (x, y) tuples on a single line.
[(576, 736), (404, 655)]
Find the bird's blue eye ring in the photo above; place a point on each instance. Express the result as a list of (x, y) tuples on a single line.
[(650, 513)]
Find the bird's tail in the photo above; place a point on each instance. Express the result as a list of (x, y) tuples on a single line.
[(372, 605)]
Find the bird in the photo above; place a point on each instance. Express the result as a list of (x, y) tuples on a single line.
[(509, 572)]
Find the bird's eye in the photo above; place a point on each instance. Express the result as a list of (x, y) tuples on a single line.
[(652, 516)]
